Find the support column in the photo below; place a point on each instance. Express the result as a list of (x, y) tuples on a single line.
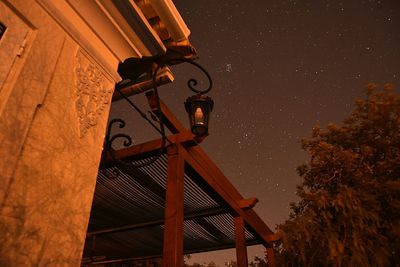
[(270, 257), (240, 238), (51, 135), (173, 230)]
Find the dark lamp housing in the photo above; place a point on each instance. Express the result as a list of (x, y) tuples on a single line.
[(199, 108)]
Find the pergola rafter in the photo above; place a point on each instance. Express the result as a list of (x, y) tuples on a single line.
[(186, 162), (200, 161)]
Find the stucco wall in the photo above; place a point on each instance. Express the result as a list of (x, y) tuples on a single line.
[(54, 107)]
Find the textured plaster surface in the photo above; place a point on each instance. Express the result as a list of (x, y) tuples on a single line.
[(49, 160), (26, 83)]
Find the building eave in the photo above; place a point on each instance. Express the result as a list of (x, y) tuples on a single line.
[(112, 30)]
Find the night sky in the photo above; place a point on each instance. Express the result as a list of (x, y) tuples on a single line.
[(279, 68)]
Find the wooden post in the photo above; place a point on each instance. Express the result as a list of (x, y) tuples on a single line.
[(240, 237), (270, 257), (173, 228)]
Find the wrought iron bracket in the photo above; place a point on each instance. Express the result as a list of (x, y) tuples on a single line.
[(109, 140)]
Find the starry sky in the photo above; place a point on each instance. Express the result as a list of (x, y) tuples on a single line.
[(279, 68)]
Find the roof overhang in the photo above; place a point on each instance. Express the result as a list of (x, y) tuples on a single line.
[(111, 31)]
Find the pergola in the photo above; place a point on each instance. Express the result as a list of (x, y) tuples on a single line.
[(182, 203)]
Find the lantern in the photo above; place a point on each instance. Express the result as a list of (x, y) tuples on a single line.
[(199, 108)]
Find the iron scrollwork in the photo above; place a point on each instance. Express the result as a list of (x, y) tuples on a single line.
[(109, 140), (127, 142), (191, 83)]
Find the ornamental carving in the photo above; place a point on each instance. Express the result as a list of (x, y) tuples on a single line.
[(93, 93)]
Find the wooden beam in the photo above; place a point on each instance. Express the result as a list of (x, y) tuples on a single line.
[(255, 222), (172, 123), (240, 241), (221, 185), (214, 177), (187, 216), (201, 156), (248, 203), (221, 247), (173, 228), (151, 147), (210, 173)]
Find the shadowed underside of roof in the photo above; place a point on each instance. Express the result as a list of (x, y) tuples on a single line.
[(131, 210), (127, 216)]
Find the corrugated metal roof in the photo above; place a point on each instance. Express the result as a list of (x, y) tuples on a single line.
[(127, 215)]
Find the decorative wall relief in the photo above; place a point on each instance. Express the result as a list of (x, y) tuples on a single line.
[(93, 93)]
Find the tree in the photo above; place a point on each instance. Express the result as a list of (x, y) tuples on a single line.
[(258, 262), (349, 208), (205, 264)]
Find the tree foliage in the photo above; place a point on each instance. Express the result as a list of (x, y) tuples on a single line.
[(256, 262), (349, 208)]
